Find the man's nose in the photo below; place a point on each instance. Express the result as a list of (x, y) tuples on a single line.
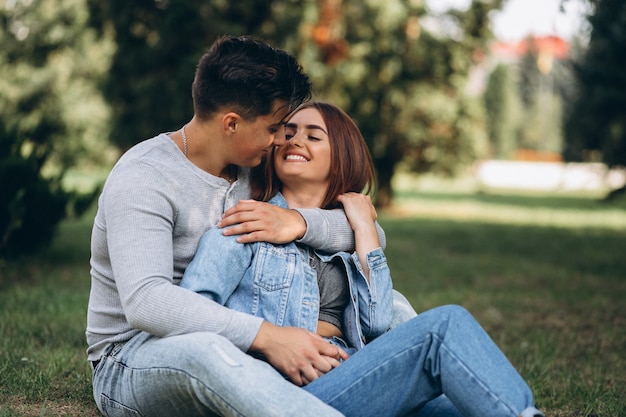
[(279, 138)]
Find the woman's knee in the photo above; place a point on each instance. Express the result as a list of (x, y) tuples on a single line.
[(456, 311), (441, 319), (446, 312)]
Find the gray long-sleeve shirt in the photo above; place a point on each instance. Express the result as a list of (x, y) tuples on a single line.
[(153, 210)]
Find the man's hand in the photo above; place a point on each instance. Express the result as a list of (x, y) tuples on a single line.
[(299, 354), (256, 221)]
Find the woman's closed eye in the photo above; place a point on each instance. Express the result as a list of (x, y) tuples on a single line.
[(313, 138), (291, 130), (290, 133)]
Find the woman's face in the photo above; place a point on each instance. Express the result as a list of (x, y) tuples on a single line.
[(305, 157)]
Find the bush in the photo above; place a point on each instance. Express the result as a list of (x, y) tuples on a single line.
[(51, 118), (30, 207)]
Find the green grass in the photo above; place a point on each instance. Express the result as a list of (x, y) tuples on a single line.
[(43, 305), (545, 276)]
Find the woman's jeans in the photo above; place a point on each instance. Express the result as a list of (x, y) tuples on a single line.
[(441, 351)]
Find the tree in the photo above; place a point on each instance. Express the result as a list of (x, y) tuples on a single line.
[(159, 43), (502, 107), (596, 122), (543, 79), (402, 82), (401, 77), (45, 120)]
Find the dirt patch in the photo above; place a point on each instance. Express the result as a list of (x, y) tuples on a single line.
[(18, 406)]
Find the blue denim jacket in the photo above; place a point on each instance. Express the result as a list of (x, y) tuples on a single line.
[(277, 283)]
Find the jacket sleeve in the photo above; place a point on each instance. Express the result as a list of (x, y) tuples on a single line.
[(375, 298), (218, 266)]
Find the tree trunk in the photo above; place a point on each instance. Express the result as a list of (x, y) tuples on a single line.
[(385, 167)]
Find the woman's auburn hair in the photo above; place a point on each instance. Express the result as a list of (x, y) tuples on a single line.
[(351, 165)]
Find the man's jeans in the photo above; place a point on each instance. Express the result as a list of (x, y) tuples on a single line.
[(441, 351)]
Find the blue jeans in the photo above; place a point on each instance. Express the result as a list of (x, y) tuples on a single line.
[(441, 351), (196, 374)]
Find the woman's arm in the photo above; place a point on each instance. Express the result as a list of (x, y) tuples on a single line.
[(374, 287), (376, 301), (362, 216)]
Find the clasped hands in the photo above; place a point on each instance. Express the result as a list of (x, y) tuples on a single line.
[(301, 355)]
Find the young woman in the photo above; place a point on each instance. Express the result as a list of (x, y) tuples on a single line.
[(391, 373), (346, 298)]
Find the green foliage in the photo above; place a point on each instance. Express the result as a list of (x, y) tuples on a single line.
[(401, 77), (502, 107), (596, 124), (31, 206), (524, 101), (542, 92), (541, 129), (158, 45), (400, 80), (529, 75), (47, 118)]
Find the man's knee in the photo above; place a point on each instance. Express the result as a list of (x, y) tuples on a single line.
[(204, 350)]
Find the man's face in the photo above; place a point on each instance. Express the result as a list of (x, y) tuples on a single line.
[(255, 139)]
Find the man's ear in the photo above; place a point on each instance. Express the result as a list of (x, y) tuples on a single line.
[(230, 122)]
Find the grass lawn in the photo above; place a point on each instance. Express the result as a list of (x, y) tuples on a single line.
[(545, 276)]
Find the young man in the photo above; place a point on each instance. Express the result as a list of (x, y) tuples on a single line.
[(156, 348)]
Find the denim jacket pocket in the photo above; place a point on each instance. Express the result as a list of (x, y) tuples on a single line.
[(275, 266)]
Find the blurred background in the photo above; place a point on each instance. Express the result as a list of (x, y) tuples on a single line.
[(498, 130), (496, 95)]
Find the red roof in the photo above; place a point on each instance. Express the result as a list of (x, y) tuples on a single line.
[(554, 45)]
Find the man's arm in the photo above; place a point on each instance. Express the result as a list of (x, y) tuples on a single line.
[(327, 230), (133, 264)]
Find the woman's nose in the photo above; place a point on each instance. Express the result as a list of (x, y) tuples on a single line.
[(295, 140)]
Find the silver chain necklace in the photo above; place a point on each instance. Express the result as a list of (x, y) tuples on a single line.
[(184, 141), (231, 177)]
